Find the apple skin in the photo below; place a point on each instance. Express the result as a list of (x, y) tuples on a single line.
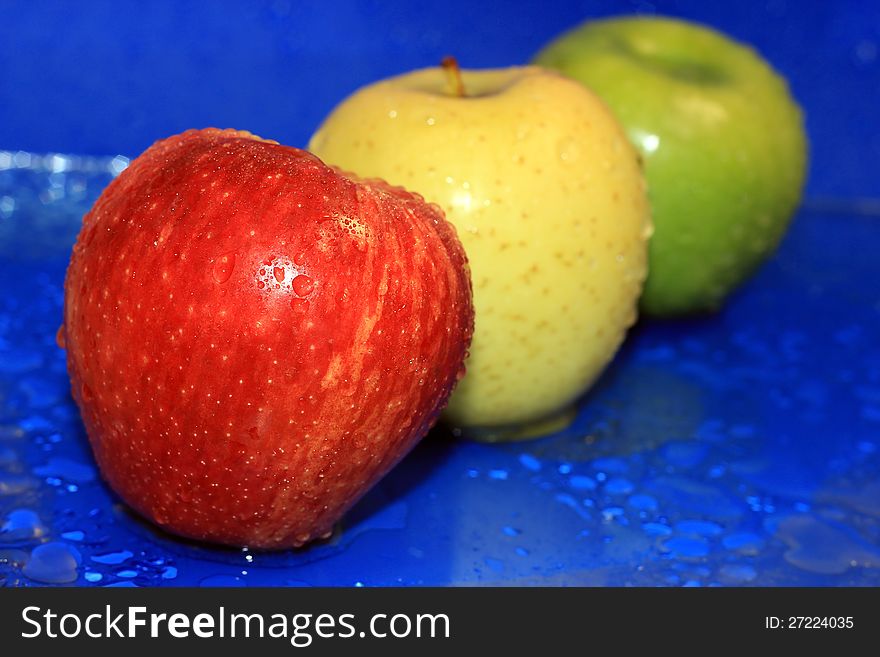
[(254, 338), (722, 139), (549, 201)]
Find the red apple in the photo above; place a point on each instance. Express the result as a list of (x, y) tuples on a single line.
[(254, 338)]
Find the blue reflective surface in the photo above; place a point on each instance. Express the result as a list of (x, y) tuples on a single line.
[(737, 449), (112, 77)]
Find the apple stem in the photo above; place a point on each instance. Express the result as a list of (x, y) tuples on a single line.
[(453, 76)]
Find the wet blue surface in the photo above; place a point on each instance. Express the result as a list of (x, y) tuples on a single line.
[(738, 449), (106, 78)]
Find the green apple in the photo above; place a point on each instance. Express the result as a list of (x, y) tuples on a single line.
[(549, 200), (722, 139)]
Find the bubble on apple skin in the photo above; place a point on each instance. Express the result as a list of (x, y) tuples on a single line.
[(276, 274), (223, 267), (303, 285), (53, 563), (301, 305)]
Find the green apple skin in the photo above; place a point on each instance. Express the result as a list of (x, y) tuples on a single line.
[(722, 139), (549, 201)]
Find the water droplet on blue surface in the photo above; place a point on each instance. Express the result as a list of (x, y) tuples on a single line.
[(223, 580), (582, 482), (743, 542), (698, 527), (495, 564), (80, 473), (611, 512), (684, 454), (169, 572), (818, 547), (656, 529), (127, 573), (611, 464), (13, 557), (683, 547), (643, 502), (498, 475), (93, 577), (511, 531), (53, 563), (738, 572), (36, 423), (618, 486), (570, 502), (13, 484), (717, 471), (21, 525), (529, 462), (112, 558)]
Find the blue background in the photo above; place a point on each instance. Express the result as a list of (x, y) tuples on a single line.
[(741, 448), (112, 77)]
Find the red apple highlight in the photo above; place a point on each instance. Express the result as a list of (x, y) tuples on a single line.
[(254, 338)]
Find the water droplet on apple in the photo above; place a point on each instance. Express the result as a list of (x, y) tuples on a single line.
[(278, 273), (568, 150), (299, 258), (303, 285), (60, 338), (301, 305), (86, 393), (223, 267)]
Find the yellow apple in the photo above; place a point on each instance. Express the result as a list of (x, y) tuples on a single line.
[(548, 198)]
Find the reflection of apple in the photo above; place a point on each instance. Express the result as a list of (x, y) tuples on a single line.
[(254, 339), (549, 201), (723, 144)]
